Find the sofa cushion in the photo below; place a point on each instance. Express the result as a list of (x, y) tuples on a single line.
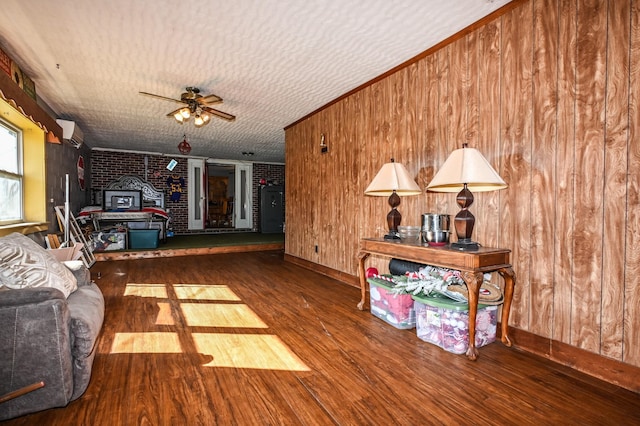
[(24, 263)]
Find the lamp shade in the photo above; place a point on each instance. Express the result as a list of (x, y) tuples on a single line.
[(393, 177), (466, 166)]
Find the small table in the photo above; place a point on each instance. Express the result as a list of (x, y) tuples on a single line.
[(471, 264)]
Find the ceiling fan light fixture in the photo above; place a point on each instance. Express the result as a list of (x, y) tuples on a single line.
[(197, 106)]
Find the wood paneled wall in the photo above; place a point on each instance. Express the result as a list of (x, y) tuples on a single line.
[(549, 92)]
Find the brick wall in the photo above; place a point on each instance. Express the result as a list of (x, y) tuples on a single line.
[(107, 166)]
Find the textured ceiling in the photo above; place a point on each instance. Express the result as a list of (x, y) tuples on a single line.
[(271, 61)]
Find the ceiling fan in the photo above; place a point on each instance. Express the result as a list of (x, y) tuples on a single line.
[(196, 106)]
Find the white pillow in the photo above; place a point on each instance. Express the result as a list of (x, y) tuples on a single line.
[(24, 263)]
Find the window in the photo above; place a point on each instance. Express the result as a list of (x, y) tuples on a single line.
[(10, 174), (23, 180)]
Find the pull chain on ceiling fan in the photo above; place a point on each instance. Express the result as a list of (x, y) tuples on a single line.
[(196, 106)]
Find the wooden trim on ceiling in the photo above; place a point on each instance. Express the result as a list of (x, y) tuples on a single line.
[(460, 34)]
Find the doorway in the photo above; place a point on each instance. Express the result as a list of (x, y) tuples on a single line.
[(228, 195), (220, 195)]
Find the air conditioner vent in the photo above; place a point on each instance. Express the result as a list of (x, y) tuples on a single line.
[(71, 132)]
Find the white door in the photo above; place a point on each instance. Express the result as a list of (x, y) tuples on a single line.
[(195, 193), (243, 205)]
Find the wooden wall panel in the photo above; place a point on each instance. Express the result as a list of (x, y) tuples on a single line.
[(615, 156), (563, 164), (589, 159), (631, 311), (545, 51), (548, 90), (487, 80), (516, 150), (457, 100), (430, 88), (443, 202)]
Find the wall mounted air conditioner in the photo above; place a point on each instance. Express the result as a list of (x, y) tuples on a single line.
[(71, 132)]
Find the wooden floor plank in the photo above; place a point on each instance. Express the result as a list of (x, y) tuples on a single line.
[(350, 367)]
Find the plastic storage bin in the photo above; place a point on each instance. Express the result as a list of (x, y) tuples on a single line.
[(397, 310), (108, 240), (143, 238), (445, 322)]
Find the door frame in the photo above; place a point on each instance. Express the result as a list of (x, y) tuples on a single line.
[(243, 215), (243, 199), (196, 193)]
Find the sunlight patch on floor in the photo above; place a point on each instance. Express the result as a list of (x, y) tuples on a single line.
[(158, 291), (220, 315), (205, 292), (255, 351), (146, 343), (165, 317)]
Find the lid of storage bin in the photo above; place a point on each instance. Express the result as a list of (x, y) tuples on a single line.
[(144, 231), (438, 301), (381, 283)]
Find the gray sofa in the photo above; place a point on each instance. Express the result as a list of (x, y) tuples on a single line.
[(47, 334)]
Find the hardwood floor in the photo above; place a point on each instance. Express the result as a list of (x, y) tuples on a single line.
[(248, 339)]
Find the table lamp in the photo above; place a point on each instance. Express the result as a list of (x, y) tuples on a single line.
[(393, 180), (465, 170)]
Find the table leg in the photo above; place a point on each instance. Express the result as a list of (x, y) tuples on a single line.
[(473, 281), (362, 256), (509, 284)]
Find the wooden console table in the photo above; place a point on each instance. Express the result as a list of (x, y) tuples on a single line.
[(471, 264)]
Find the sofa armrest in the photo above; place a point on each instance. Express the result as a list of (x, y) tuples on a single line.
[(86, 306), (34, 337), (26, 296)]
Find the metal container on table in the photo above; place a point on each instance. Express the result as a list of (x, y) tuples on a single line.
[(435, 228)]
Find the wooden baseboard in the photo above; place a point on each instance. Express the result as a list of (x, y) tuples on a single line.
[(599, 366), (151, 253), (352, 280), (606, 369)]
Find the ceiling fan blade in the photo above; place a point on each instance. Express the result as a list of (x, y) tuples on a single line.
[(219, 114), (208, 100), (161, 97)]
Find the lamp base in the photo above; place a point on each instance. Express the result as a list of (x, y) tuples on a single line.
[(465, 244)]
